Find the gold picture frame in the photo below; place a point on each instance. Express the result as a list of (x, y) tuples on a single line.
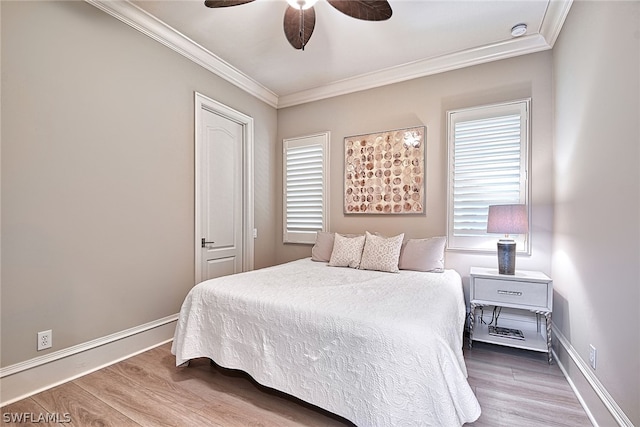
[(385, 172)]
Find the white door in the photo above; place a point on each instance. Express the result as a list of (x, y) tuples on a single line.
[(220, 192)]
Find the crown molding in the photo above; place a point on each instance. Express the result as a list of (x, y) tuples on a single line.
[(426, 67), (552, 22), (557, 11), (147, 24), (135, 17)]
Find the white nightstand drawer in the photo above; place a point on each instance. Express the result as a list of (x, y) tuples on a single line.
[(511, 292)]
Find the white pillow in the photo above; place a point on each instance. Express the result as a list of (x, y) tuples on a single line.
[(423, 254), (381, 253), (347, 251)]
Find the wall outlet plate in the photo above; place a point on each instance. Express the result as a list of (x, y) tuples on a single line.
[(45, 340), (592, 356)]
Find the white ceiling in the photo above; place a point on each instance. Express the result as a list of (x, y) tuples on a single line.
[(246, 44)]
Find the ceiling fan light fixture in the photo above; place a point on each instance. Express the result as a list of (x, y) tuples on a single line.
[(304, 4), (519, 30)]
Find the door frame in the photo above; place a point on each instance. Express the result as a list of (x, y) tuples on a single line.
[(203, 102)]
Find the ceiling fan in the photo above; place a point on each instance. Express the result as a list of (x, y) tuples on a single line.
[(300, 18)]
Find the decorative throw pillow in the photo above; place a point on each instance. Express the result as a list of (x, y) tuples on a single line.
[(381, 253), (423, 254), (347, 251), (323, 247)]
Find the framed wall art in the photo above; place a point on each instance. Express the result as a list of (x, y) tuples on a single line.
[(385, 172)]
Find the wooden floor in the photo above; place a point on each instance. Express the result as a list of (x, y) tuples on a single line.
[(514, 388)]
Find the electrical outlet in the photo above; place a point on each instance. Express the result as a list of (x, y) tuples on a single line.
[(592, 356), (45, 340)]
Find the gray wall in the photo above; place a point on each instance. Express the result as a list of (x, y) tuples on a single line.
[(98, 175), (425, 101), (596, 251)]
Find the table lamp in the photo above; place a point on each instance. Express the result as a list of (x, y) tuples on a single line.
[(507, 219)]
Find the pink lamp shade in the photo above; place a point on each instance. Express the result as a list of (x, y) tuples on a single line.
[(508, 219)]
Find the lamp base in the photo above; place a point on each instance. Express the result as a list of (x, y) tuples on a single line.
[(507, 256)]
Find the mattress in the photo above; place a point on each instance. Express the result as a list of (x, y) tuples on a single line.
[(380, 349)]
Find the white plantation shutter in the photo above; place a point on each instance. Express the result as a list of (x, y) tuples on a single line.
[(305, 182), (487, 166)]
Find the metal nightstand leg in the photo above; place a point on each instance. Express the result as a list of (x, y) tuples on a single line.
[(547, 321), (547, 317), (472, 309)]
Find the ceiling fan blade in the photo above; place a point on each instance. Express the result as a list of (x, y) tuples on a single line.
[(293, 26), (225, 3), (367, 10)]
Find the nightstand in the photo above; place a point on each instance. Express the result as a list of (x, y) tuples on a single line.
[(525, 290)]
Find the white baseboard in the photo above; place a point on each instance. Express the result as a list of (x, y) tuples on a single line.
[(26, 378), (599, 405)]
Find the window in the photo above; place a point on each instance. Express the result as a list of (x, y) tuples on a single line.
[(488, 164), (305, 182)]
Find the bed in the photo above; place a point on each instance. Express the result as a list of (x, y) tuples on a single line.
[(377, 348)]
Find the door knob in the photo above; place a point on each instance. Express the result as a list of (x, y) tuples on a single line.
[(205, 243)]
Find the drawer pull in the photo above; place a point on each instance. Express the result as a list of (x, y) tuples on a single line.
[(515, 293)]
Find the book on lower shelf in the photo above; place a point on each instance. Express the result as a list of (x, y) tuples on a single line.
[(515, 334)]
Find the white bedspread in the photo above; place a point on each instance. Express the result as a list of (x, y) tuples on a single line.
[(380, 349)]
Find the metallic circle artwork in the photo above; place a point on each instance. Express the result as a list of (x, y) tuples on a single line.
[(384, 172)]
